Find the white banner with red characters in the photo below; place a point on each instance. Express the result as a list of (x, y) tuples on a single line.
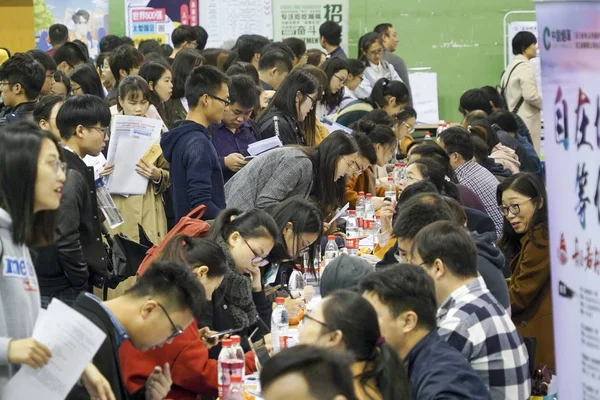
[(569, 42)]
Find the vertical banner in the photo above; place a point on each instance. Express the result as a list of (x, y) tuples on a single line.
[(570, 56), (302, 19), (87, 20)]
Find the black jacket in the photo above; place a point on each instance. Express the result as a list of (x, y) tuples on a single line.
[(490, 262), (107, 357), (478, 221), (21, 112), (77, 258), (276, 123)]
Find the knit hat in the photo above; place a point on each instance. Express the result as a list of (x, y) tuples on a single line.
[(344, 272)]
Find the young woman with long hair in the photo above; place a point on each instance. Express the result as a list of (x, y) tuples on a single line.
[(370, 52), (160, 80)]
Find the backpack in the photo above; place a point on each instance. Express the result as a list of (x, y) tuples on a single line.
[(353, 106), (190, 225), (502, 89)]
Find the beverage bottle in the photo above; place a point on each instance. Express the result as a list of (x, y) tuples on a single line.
[(398, 172), (236, 391), (331, 250), (280, 325), (441, 126), (360, 209), (352, 233), (390, 189), (239, 367), (224, 370), (427, 136), (377, 230), (369, 215), (107, 205)]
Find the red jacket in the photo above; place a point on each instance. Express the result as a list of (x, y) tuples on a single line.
[(193, 373)]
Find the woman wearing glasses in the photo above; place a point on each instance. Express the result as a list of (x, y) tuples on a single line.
[(405, 127), (285, 114), (522, 199), (370, 52), (337, 76), (356, 70)]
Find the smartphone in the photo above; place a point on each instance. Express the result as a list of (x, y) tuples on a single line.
[(249, 158), (261, 354), (223, 333)]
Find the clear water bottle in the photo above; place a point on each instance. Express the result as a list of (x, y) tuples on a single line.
[(236, 391), (441, 127), (360, 209), (226, 358), (377, 230), (280, 324), (390, 189), (331, 250), (107, 205), (369, 223), (427, 136), (352, 233), (239, 368), (398, 172)]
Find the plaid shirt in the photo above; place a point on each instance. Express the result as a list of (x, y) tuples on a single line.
[(473, 322), (484, 184)]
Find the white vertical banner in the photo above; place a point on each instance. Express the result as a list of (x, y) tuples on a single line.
[(569, 42), (302, 19)]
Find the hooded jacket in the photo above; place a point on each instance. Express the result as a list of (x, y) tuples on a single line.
[(490, 264), (196, 175)]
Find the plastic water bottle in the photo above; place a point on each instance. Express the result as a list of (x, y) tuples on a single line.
[(226, 358), (280, 324), (331, 250), (427, 136), (390, 189), (360, 210), (441, 127), (398, 172), (236, 348), (352, 233), (236, 391), (369, 215), (107, 205), (377, 230)]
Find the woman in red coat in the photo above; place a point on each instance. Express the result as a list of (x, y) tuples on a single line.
[(192, 372)]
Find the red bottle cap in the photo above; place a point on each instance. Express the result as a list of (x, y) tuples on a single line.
[(236, 379), (369, 196), (331, 237), (235, 339), (352, 212), (280, 300), (226, 342)]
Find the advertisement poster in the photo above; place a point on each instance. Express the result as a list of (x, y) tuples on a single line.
[(87, 21), (570, 56), (156, 19), (302, 19), (227, 20)]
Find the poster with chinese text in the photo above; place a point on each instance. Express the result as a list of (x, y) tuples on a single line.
[(570, 59), (302, 19)]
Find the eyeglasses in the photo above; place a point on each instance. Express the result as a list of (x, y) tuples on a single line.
[(105, 131), (323, 324), (58, 166), (176, 331), (342, 80), (4, 83), (409, 128), (514, 209), (313, 101), (76, 89), (227, 102), (304, 246), (257, 260), (377, 52)]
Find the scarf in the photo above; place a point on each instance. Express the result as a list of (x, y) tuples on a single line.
[(238, 292)]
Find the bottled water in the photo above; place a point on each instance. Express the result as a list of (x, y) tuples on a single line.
[(360, 210), (352, 233), (369, 223), (236, 391), (238, 352), (280, 325), (377, 230), (331, 250), (225, 363), (441, 127), (390, 189), (107, 205)]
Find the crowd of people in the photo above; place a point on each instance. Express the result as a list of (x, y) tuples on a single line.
[(458, 305)]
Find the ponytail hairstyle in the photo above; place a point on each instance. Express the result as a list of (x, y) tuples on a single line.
[(129, 88), (483, 129), (383, 88), (331, 67), (250, 224), (431, 149), (195, 252), (152, 71), (432, 170), (365, 42), (368, 134), (341, 311)]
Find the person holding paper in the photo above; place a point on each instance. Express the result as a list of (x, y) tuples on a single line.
[(77, 260), (195, 168)]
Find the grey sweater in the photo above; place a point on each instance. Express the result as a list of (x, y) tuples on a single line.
[(19, 295), (270, 179)]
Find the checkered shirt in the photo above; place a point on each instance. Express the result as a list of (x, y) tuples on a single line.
[(484, 184), (472, 321)]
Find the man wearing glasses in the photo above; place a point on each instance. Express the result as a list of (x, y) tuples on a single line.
[(163, 302), (21, 81)]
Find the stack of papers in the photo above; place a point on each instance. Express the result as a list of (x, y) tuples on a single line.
[(334, 126), (264, 145)]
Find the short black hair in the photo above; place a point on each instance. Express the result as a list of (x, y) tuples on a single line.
[(124, 57), (382, 29), (431, 149), (494, 97), (43, 108), (174, 284), (86, 110), (247, 46), (475, 99), (418, 212), (149, 46), (457, 140), (522, 41), (43, 58), (355, 66), (505, 120), (325, 371), (404, 287), (71, 53), (244, 68), (58, 34), (109, 42), (449, 242), (165, 50), (385, 87), (127, 40), (243, 91), (275, 59), (182, 34), (86, 76), (203, 80), (201, 37), (297, 45), (278, 46), (61, 77), (424, 186), (80, 13), (23, 69), (332, 32)]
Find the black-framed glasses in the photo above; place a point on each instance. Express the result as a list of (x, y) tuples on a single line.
[(104, 129), (342, 80), (409, 128), (313, 101), (514, 209), (258, 260), (323, 324), (304, 246), (176, 331), (227, 102)]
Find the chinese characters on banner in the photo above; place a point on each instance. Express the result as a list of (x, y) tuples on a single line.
[(302, 19), (570, 58)]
